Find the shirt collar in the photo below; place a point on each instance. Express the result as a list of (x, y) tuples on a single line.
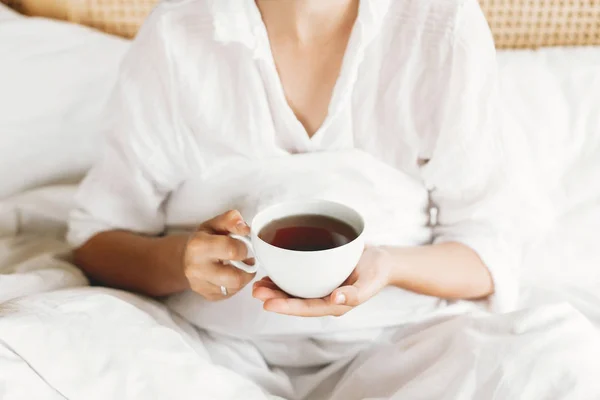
[(233, 21), (239, 21)]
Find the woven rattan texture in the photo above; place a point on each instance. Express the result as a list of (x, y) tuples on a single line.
[(536, 23), (515, 23), (121, 17)]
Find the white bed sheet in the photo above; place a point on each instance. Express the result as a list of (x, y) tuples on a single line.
[(60, 339)]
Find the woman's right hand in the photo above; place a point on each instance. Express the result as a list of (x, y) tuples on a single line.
[(207, 252)]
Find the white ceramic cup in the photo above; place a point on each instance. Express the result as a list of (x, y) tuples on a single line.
[(305, 274)]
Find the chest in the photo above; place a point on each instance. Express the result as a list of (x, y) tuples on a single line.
[(308, 75), (238, 106)]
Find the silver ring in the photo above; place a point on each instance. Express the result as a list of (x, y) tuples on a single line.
[(224, 291)]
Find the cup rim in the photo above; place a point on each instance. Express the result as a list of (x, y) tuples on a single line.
[(255, 233)]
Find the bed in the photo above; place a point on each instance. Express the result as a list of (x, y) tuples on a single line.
[(61, 339)]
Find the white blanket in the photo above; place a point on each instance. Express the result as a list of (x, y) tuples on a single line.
[(88, 343), (91, 343)]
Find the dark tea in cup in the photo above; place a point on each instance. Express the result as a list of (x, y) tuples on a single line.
[(307, 232), (307, 247)]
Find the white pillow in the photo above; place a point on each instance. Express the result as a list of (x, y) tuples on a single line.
[(551, 99), (55, 78)]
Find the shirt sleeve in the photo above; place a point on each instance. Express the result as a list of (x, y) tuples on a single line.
[(469, 171), (126, 188)]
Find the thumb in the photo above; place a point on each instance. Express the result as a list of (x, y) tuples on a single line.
[(350, 296), (360, 291)]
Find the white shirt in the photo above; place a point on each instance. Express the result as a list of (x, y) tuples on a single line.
[(203, 127)]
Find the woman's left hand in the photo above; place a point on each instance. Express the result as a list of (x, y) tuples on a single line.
[(370, 276)]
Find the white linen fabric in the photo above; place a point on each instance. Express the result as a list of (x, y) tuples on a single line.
[(7, 13), (34, 257), (55, 79), (204, 127), (552, 101), (115, 345), (94, 343), (518, 355)]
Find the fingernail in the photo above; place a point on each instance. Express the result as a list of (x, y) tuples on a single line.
[(241, 225), (340, 299)]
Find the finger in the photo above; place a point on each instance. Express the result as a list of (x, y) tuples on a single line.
[(216, 294), (265, 289), (346, 295), (267, 283), (353, 295), (217, 274), (209, 291), (305, 307), (229, 222), (264, 293), (204, 245), (220, 274)]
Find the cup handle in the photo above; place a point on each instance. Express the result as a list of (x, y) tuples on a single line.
[(251, 269)]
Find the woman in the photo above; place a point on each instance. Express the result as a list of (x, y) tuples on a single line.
[(388, 106)]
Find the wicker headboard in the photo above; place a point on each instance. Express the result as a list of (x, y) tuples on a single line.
[(515, 23)]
